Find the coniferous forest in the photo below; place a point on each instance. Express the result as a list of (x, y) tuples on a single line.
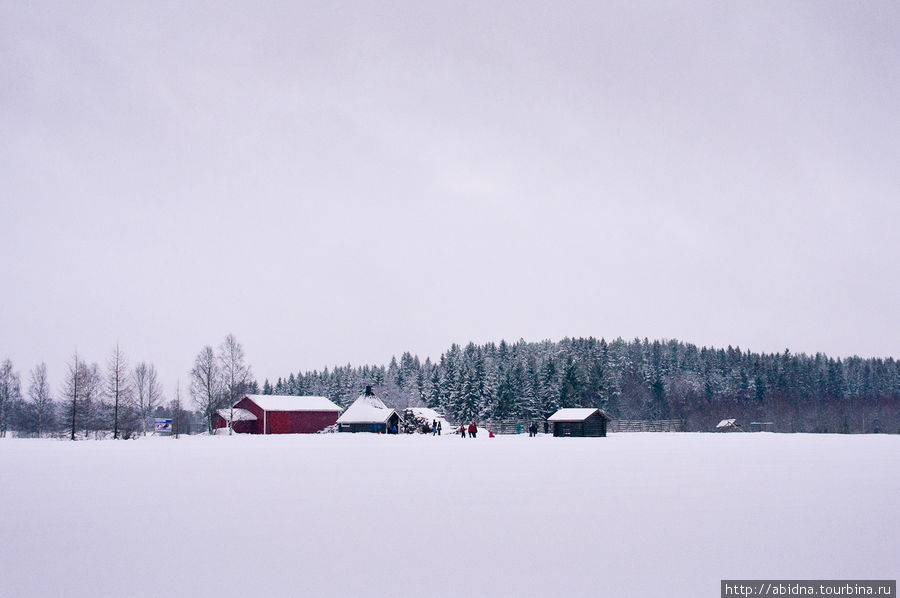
[(636, 380)]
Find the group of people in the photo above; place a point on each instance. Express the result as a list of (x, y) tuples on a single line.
[(472, 430)]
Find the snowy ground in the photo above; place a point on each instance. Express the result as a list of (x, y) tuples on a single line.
[(341, 514)]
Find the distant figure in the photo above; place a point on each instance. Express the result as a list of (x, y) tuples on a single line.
[(439, 428), (472, 430), (491, 433), (532, 431), (462, 430), (394, 429), (434, 427), (546, 428), (518, 428)]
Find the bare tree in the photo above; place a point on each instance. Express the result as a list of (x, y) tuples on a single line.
[(80, 388), (178, 414), (70, 390), (118, 386), (10, 393), (92, 400), (147, 392), (42, 402), (206, 384), (236, 374)]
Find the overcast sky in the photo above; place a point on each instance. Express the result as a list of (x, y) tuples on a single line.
[(337, 182)]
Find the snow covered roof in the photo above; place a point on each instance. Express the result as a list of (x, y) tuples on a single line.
[(574, 415), (725, 423), (367, 409), (240, 415), (292, 403), (426, 413)]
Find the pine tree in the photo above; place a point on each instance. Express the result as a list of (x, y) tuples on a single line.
[(435, 391), (549, 389), (489, 400), (467, 406), (530, 389)]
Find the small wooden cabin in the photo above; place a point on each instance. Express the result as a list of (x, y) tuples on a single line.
[(369, 414), (579, 422)]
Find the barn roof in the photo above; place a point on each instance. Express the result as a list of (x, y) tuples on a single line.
[(574, 415), (240, 415), (367, 409), (292, 403)]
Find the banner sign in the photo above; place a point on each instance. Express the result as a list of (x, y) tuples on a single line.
[(163, 425)]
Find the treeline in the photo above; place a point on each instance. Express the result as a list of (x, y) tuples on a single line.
[(121, 401), (636, 379), (633, 380), (117, 401)]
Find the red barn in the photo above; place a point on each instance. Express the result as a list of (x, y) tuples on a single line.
[(279, 414)]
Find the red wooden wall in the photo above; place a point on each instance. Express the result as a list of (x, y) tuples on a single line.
[(283, 422)]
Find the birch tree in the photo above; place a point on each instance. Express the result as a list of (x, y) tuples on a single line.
[(147, 392), (235, 372), (10, 393), (95, 419), (206, 385), (41, 401)]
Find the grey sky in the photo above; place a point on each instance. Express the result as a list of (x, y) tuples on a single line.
[(337, 182)]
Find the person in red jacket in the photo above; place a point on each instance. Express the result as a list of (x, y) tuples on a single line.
[(490, 433), (473, 430)]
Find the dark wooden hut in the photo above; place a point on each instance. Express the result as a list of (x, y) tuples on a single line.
[(579, 422), (369, 414)]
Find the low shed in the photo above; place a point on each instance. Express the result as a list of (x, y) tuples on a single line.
[(244, 422), (579, 422), (279, 414)]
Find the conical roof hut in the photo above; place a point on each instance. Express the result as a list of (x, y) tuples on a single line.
[(369, 414)]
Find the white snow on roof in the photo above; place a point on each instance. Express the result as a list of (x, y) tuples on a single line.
[(240, 415), (366, 410), (430, 415), (571, 415), (725, 423), (426, 413), (292, 403)]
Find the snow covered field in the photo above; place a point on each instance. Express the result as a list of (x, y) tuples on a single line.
[(341, 514)]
